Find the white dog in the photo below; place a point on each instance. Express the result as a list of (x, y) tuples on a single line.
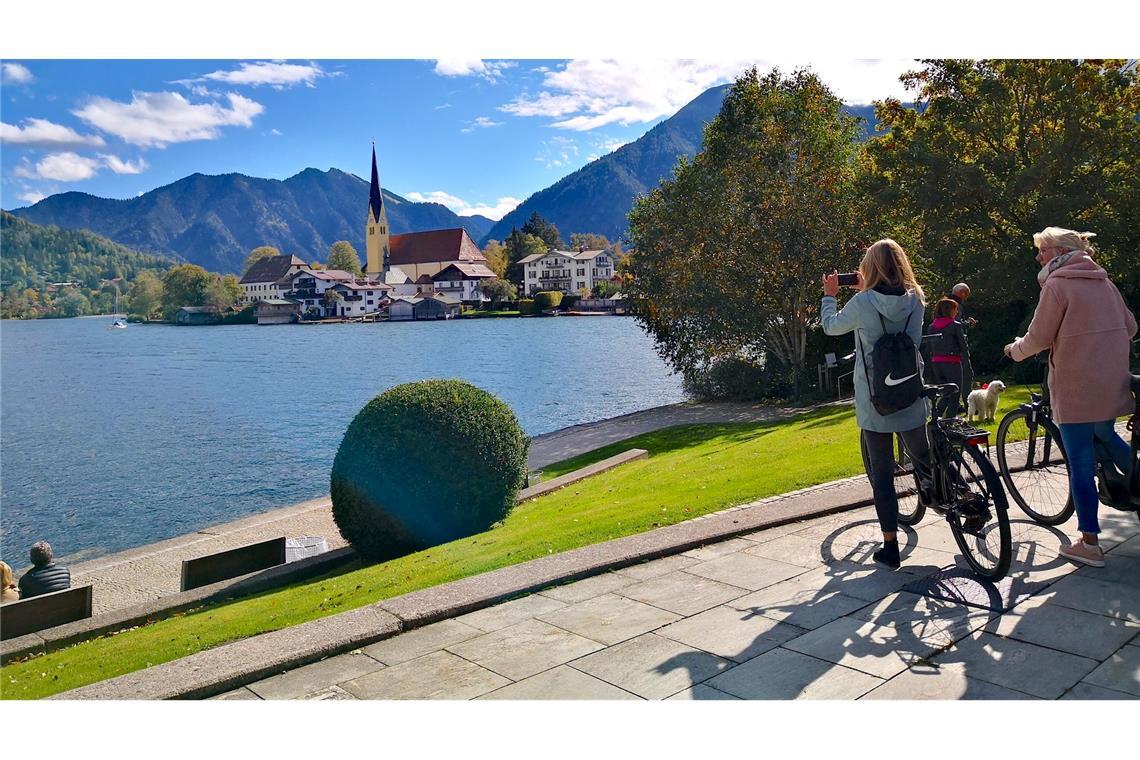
[(983, 402)]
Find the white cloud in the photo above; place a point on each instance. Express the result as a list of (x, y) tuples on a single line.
[(482, 122), (604, 146), (63, 167), (276, 132), (277, 75), (462, 67), (583, 94), (461, 207), (443, 106), (41, 133), (16, 73), (119, 166), (160, 118), (30, 196)]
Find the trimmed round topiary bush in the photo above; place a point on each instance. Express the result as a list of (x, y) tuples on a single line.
[(426, 463), (547, 299)]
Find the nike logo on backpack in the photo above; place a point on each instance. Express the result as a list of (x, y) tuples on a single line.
[(890, 381)]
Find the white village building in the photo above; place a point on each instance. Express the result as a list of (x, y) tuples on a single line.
[(566, 271)]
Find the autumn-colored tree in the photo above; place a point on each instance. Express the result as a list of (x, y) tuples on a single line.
[(730, 251), (344, 256), (496, 257), (589, 241), (145, 295), (261, 252)]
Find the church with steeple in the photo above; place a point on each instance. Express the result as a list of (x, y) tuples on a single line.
[(417, 257)]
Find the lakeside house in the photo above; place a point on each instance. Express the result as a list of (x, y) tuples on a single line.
[(277, 311), (566, 271), (463, 281), (196, 315), (262, 280), (427, 307)]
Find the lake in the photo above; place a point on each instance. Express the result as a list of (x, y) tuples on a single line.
[(111, 439)]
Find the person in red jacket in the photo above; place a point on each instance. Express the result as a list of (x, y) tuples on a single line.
[(949, 351), (1086, 326)]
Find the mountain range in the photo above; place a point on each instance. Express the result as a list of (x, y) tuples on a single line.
[(215, 220), (598, 197)]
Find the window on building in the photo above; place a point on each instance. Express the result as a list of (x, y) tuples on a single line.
[(581, 272), (372, 230), (369, 301)]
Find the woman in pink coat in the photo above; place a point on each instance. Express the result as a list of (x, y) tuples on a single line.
[(1084, 323)]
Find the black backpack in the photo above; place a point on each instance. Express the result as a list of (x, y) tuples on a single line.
[(896, 383)]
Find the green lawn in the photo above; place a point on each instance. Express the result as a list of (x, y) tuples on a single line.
[(692, 470)]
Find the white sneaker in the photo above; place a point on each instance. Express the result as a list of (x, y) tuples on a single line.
[(1087, 554)]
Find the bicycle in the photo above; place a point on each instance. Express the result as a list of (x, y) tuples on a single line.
[(1031, 458), (962, 485)]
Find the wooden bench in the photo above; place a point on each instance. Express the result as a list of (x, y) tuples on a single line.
[(44, 611), (202, 571)]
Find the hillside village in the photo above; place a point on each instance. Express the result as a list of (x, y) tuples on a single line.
[(410, 276)]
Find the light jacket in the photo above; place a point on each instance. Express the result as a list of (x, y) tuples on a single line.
[(861, 316), (1084, 323)]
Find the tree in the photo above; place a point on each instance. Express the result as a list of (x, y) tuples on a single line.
[(331, 298), (217, 296), (344, 256), (261, 252), (72, 303), (498, 290), (316, 266), (589, 240), (185, 285), (1000, 149), (604, 289), (544, 230), (145, 296), (233, 287), (730, 251), (519, 245), (496, 257)]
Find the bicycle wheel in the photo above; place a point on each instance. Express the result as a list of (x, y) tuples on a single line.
[(911, 509), (979, 514), (1033, 467)]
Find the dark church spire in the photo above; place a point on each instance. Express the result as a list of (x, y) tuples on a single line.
[(375, 199)]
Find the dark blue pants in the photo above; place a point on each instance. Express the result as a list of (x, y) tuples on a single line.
[(1078, 440)]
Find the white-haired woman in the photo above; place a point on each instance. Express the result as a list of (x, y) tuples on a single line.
[(1083, 321), (889, 296)]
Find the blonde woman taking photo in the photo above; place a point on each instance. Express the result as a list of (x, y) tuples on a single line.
[(889, 300)]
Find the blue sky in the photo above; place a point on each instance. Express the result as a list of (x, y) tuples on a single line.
[(477, 135)]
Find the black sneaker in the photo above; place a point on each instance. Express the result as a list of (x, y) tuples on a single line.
[(888, 555)]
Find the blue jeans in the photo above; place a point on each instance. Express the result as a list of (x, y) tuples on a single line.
[(1078, 439)]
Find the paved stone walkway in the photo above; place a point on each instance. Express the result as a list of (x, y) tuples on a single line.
[(793, 612), (150, 572)]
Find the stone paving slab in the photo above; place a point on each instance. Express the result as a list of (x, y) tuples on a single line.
[(730, 633), (562, 682), (439, 675), (1017, 665), (510, 613), (524, 649), (1037, 621), (421, 641), (1121, 672), (719, 549), (314, 678), (682, 593), (701, 692), (1088, 691), (876, 649), (784, 674), (643, 571), (746, 570), (1087, 593), (947, 682), (609, 618), (804, 605), (651, 666), (580, 591)]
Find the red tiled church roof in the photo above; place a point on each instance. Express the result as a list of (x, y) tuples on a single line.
[(435, 245)]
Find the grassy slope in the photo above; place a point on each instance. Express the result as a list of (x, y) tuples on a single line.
[(692, 470)]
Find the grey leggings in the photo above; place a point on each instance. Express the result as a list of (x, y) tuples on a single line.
[(881, 470)]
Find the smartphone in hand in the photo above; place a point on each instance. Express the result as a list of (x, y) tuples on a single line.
[(849, 279)]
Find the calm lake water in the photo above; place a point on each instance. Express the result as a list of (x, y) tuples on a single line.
[(114, 438)]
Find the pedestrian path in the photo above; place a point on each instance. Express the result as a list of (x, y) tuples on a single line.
[(792, 612)]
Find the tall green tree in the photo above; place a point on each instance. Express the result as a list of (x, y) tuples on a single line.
[(730, 251), (999, 149), (186, 285), (344, 256), (257, 254), (519, 245), (498, 290), (543, 229), (72, 303), (145, 296)]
